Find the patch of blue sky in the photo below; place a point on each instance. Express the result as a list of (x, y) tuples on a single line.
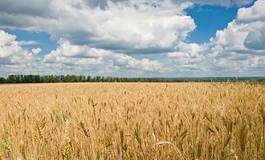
[(208, 20), (34, 39), (211, 18)]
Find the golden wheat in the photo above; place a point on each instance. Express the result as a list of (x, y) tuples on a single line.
[(133, 121)]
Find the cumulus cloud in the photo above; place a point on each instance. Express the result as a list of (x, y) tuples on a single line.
[(105, 36), (99, 35), (255, 39), (121, 26), (13, 57), (11, 50), (75, 59), (245, 33), (99, 59), (240, 46), (27, 7), (255, 18), (253, 13), (188, 56)]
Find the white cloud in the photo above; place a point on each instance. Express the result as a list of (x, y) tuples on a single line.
[(126, 61), (188, 53), (98, 37), (36, 51), (98, 59), (188, 57), (28, 43), (254, 13), (68, 58), (240, 46), (255, 18), (127, 24), (14, 59), (10, 48), (256, 39), (26, 7), (243, 32)]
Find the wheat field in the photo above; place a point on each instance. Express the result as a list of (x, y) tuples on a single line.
[(158, 121)]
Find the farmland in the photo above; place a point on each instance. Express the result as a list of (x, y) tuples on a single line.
[(133, 121)]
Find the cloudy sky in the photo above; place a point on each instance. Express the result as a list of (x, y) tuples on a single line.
[(134, 38)]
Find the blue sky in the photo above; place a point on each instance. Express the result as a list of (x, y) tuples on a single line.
[(133, 38), (43, 40), (209, 19)]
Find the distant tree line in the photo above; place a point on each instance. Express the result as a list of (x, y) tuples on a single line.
[(71, 78), (80, 78)]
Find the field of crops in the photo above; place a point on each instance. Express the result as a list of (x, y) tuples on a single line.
[(185, 121)]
